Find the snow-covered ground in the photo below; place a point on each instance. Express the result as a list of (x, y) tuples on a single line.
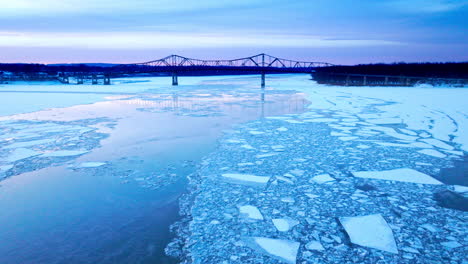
[(355, 179)]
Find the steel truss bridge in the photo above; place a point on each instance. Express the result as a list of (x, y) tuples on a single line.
[(258, 64), (176, 65)]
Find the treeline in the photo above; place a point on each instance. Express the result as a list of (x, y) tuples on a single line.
[(52, 69), (427, 70)]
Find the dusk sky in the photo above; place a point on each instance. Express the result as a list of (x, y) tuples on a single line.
[(335, 31)]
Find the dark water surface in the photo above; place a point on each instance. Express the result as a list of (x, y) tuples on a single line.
[(121, 212)]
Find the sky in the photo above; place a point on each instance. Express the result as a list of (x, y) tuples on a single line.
[(334, 31)]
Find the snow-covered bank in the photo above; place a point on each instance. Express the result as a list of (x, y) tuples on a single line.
[(353, 180)]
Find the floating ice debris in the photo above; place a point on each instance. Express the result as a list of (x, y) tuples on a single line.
[(29, 143), (243, 164), (321, 120), (266, 155), (65, 153), (361, 146), (322, 178), (451, 244), (384, 121), (255, 132), (460, 188), (246, 178), (251, 212), (90, 164), (420, 145), (20, 153), (281, 178), (247, 146), (234, 141), (282, 129), (403, 175), (311, 196), (429, 227), (432, 152), (284, 250), (407, 131), (458, 153), (314, 245), (338, 134), (293, 121), (370, 231), (347, 138), (5, 167), (284, 224), (287, 199), (437, 143), (278, 148)]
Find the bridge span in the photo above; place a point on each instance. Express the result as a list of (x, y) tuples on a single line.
[(175, 66), (257, 64)]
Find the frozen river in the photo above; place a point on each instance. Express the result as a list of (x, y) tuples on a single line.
[(295, 173)]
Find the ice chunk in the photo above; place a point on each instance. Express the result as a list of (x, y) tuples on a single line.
[(370, 231), (451, 244), (284, 250), (266, 155), (255, 132), (29, 143), (90, 164), (460, 188), (437, 143), (251, 212), (384, 121), (20, 153), (247, 146), (65, 153), (432, 152), (246, 178), (314, 245), (347, 138), (403, 175), (284, 224), (282, 129), (5, 167), (322, 178), (321, 120)]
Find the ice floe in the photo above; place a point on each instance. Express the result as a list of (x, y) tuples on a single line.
[(284, 250), (322, 178), (370, 231), (65, 153), (433, 153), (20, 154), (251, 212), (402, 175), (284, 224), (246, 178)]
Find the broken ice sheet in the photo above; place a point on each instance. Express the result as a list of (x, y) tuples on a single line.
[(370, 231), (65, 153), (322, 178), (284, 224), (20, 153), (247, 179), (251, 212), (283, 250), (432, 152), (402, 175), (89, 164)]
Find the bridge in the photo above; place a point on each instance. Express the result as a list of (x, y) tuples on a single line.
[(257, 64)]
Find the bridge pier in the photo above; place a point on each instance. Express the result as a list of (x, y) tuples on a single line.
[(94, 79), (79, 80), (263, 80), (175, 81), (107, 80)]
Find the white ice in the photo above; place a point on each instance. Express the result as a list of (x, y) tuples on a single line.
[(29, 143), (314, 245), (284, 224), (251, 212), (19, 154), (433, 152), (402, 175), (285, 250), (90, 164), (370, 231), (65, 153), (246, 178), (322, 178)]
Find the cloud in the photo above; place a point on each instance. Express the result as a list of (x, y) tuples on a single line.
[(152, 40), (426, 6)]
